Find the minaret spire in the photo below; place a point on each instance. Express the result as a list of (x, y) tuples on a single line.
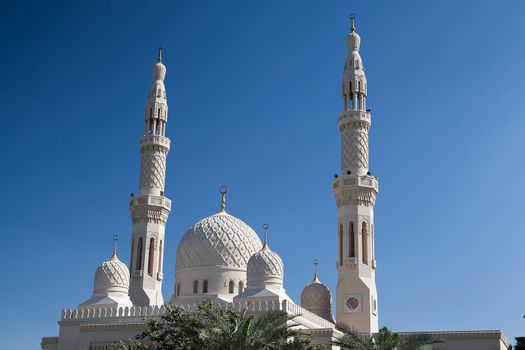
[(150, 209), (355, 192), (114, 256), (223, 190), (159, 58), (265, 245)]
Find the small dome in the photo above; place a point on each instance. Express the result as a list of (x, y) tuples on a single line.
[(159, 71), (316, 298), (265, 268), (111, 276), (217, 240)]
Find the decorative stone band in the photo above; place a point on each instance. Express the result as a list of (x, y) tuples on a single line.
[(149, 208), (356, 190), (357, 117), (365, 198), (155, 143), (356, 181), (256, 307)]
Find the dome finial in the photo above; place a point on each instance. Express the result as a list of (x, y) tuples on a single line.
[(315, 280), (265, 228), (115, 239), (159, 58), (223, 190), (352, 18)]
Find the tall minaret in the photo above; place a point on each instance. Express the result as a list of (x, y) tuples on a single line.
[(355, 193), (150, 209)]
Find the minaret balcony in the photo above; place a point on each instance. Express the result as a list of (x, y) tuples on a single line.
[(358, 116), (148, 141), (149, 200), (347, 181)]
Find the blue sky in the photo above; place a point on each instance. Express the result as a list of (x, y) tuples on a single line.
[(253, 91)]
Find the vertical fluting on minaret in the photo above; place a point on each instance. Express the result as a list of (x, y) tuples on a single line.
[(150, 209), (355, 193)]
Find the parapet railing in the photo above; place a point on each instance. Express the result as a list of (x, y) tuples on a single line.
[(252, 307)]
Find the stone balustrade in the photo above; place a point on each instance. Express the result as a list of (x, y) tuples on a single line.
[(253, 307)]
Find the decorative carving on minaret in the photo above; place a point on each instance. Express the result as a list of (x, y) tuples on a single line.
[(355, 193), (150, 209)]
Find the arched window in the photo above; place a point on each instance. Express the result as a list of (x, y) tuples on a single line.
[(340, 244), (151, 255), (241, 287), (131, 258), (139, 255), (351, 241), (195, 287), (205, 286), (178, 289), (231, 286), (160, 256), (364, 236)]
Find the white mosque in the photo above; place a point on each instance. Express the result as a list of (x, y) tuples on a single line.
[(222, 258)]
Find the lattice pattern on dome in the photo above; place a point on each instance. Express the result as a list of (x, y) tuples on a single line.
[(152, 171), (355, 149), (111, 273), (265, 263), (218, 240), (316, 294)]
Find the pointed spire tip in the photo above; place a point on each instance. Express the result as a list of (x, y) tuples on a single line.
[(114, 256), (159, 58), (223, 190), (352, 18), (265, 246)]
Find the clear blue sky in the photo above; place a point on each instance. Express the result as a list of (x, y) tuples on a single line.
[(254, 93)]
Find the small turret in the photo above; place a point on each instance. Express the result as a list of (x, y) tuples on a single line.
[(316, 298), (111, 283)]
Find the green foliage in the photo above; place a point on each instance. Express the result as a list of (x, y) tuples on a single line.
[(383, 340), (215, 328), (520, 343)]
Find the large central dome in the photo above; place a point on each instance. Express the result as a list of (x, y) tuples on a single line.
[(218, 240)]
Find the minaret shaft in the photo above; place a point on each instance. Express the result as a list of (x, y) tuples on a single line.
[(355, 192), (150, 209)]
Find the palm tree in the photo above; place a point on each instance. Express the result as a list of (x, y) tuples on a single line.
[(383, 340), (215, 328)]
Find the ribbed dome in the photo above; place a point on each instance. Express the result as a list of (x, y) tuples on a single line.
[(265, 268), (111, 276), (217, 240), (316, 298)]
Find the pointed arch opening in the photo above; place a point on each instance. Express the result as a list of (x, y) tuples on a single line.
[(231, 287), (195, 287), (241, 287), (351, 240), (364, 236), (139, 255), (151, 255)]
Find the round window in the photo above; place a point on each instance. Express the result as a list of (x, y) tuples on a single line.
[(352, 303)]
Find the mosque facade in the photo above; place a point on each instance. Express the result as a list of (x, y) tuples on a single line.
[(223, 259)]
